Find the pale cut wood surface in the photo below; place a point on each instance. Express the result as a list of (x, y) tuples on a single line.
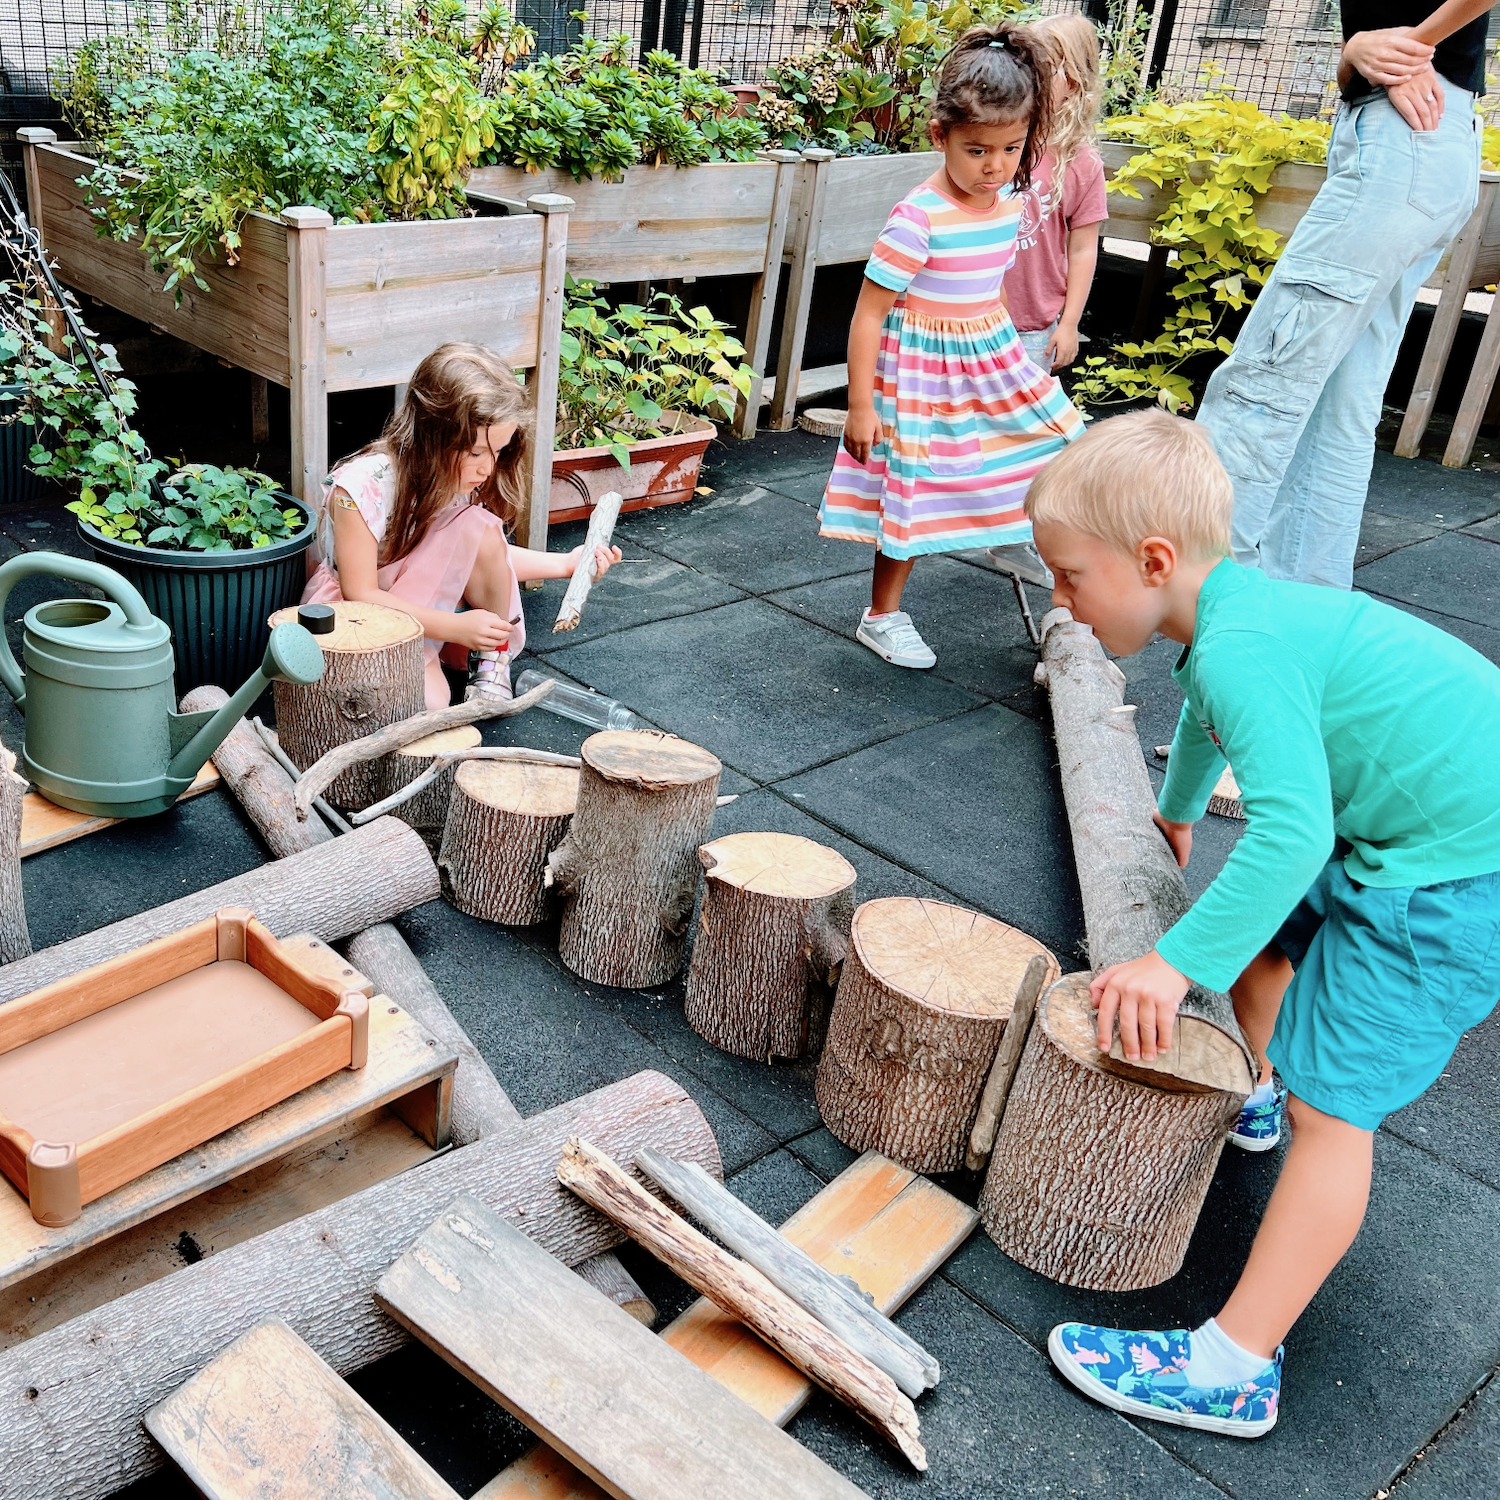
[(646, 758), (876, 1222), (45, 825), (742, 1290), (359, 627), (777, 864), (619, 1403), (81, 1437), (460, 738), (268, 1420), (402, 1058), (427, 810), (541, 791)]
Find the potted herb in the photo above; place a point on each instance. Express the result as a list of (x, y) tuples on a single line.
[(636, 391)]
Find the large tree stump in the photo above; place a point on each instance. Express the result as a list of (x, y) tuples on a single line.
[(924, 995), (1100, 1169), (629, 865), (374, 660), (772, 934), (15, 938), (427, 812), (506, 817)]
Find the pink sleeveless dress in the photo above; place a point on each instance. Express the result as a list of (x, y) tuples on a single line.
[(433, 575)]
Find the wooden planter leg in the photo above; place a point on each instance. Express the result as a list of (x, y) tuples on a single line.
[(307, 282), (800, 288), (922, 1002), (427, 811), (629, 865), (260, 409), (763, 294), (531, 525)]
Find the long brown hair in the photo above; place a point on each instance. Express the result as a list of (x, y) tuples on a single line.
[(454, 394), (994, 75)]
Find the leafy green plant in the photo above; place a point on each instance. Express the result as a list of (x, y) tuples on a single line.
[(198, 508), (1123, 47), (624, 369)]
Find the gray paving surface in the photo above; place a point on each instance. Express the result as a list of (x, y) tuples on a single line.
[(733, 625)]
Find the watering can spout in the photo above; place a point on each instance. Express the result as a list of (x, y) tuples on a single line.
[(292, 655)]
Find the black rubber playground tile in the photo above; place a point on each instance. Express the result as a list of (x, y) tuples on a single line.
[(1452, 574), (1428, 493), (1465, 1459)]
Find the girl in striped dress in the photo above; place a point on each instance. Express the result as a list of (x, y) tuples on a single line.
[(949, 421)]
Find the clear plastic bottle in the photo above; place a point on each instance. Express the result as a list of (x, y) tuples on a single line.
[(579, 704)]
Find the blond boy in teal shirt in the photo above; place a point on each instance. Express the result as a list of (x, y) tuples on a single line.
[(1356, 924)]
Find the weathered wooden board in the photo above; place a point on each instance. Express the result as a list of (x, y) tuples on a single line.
[(862, 191), (45, 825), (268, 1420), (626, 1408), (403, 1060), (883, 1226)]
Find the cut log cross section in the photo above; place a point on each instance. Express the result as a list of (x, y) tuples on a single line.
[(1100, 1169), (629, 865), (922, 1003), (427, 811), (506, 817), (772, 934), (374, 660)]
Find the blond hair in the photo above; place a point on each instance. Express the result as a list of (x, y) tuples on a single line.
[(1072, 42), (1145, 474)]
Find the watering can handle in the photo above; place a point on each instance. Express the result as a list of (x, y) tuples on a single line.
[(77, 570)]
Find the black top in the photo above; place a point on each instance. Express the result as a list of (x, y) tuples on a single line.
[(1459, 58)]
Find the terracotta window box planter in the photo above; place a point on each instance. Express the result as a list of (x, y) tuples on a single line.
[(110, 1073), (663, 471)]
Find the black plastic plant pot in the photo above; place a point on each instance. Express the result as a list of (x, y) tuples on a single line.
[(217, 604), (18, 485)]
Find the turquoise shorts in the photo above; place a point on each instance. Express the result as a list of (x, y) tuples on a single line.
[(1386, 982)]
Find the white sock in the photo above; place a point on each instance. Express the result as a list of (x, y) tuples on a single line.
[(1262, 1094), (1214, 1359)]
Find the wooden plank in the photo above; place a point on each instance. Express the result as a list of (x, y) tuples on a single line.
[(805, 242), (268, 1418), (810, 383), (402, 1058), (555, 212), (864, 190), (425, 254), (763, 294), (45, 825), (876, 1222), (621, 1404), (307, 341), (1476, 396)]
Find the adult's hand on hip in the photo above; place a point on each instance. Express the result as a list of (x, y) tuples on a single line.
[(1387, 57), (1419, 100)]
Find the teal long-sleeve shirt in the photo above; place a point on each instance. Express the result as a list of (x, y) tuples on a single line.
[(1340, 716)]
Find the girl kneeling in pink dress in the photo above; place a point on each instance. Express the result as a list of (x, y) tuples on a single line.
[(417, 520)]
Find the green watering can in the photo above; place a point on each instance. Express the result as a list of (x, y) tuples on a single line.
[(102, 734)]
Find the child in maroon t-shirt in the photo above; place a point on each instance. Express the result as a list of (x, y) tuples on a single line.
[(1059, 236)]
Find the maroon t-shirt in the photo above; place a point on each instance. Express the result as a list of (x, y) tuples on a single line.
[(1036, 286)]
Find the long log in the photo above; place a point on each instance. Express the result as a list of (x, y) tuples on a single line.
[(73, 1397), (15, 937), (328, 890), (591, 1172), (601, 529)]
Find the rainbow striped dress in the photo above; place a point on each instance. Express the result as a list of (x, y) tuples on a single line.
[(968, 419)]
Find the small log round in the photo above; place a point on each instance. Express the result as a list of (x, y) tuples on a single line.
[(374, 660), (772, 932), (427, 812), (1100, 1169), (505, 818), (629, 865), (923, 999)]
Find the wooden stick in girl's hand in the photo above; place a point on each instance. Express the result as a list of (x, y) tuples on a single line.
[(601, 529)]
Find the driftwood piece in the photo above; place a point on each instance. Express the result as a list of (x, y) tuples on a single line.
[(444, 765), (358, 752), (1002, 1074), (601, 529), (1097, 1178), (330, 814), (427, 809), (15, 939), (626, 1408), (922, 1002), (504, 820), (772, 933), (327, 889), (74, 1395), (740, 1289), (1131, 887), (834, 1301), (372, 676), (629, 864)]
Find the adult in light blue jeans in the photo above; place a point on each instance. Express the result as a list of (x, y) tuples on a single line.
[(1293, 410)]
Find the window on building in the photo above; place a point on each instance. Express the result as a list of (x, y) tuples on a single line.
[(1241, 15)]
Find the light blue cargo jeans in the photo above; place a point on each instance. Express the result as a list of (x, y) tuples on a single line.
[(1293, 410)]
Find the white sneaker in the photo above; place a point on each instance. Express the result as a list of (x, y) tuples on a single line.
[(894, 638), (1021, 560), (490, 677)]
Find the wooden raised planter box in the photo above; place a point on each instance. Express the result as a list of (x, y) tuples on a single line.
[(110, 1073)]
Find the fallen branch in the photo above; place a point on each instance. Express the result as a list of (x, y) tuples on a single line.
[(601, 529), (440, 763), (323, 771), (1003, 1071)]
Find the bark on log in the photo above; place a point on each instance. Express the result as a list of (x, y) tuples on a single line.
[(1097, 1179), (1131, 887), (73, 1397), (601, 529), (427, 812), (327, 890), (1003, 1070), (629, 864), (744, 1293), (506, 817), (772, 933), (446, 762), (15, 938), (605, 1274), (922, 1002), (374, 661)]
